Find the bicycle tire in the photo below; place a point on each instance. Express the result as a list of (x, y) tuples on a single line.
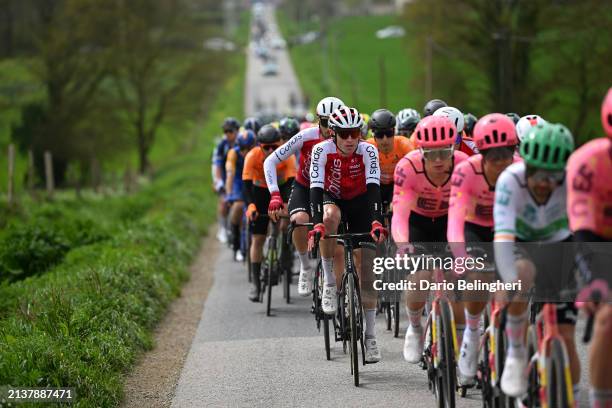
[(269, 301), (449, 376), (559, 385), (501, 400), (354, 351), (533, 383), (396, 320), (486, 388), (248, 253), (388, 317), (287, 285), (326, 319)]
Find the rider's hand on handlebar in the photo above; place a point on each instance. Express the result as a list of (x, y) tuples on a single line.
[(275, 206), (593, 295), (251, 212), (405, 249), (318, 230), (378, 232)]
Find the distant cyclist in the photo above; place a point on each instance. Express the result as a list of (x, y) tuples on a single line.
[(407, 120), (470, 122), (589, 206), (432, 106), (462, 143), (345, 184), (524, 125), (230, 132)]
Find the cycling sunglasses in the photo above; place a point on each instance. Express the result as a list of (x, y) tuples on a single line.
[(269, 146), (229, 130), (346, 133), (324, 122), (438, 154), (539, 175), (498, 153), (381, 134)]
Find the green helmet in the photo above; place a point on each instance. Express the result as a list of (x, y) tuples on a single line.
[(547, 146)]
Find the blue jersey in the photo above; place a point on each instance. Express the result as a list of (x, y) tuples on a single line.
[(220, 155)]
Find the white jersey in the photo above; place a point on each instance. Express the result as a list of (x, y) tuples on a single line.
[(301, 143)]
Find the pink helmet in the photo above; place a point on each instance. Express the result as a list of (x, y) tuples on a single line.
[(435, 131), (606, 113), (495, 130)]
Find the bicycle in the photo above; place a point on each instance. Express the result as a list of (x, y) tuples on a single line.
[(349, 300), (440, 355), (391, 308), (271, 264)]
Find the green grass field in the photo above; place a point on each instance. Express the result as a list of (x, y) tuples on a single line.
[(353, 56)]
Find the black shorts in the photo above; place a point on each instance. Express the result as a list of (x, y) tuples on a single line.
[(299, 200), (261, 198), (355, 212), (477, 233), (425, 230), (386, 194)]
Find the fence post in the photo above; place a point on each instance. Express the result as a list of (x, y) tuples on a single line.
[(11, 173), (49, 173)]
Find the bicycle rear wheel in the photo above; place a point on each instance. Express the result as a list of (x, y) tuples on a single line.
[(533, 388), (396, 320), (353, 316), (447, 351), (271, 273), (559, 389), (484, 368), (248, 251)]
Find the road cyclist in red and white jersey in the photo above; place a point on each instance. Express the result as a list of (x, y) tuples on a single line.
[(299, 201), (589, 207), (420, 207), (470, 218), (345, 185)]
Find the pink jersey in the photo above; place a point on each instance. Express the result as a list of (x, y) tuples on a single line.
[(471, 198), (589, 191), (414, 192)]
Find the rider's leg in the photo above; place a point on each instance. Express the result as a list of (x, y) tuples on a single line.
[(415, 302), (300, 241), (257, 243), (221, 218), (235, 220), (331, 220), (601, 359)]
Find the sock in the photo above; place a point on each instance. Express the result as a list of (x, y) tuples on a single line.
[(236, 237), (328, 270), (460, 329), (370, 322), (472, 323), (515, 331), (414, 317), (601, 398), (256, 270), (304, 260), (576, 391)]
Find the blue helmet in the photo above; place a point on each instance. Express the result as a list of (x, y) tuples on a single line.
[(246, 139), (252, 124)]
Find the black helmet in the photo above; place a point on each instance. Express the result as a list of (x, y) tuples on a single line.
[(382, 119), (268, 134), (407, 125), (230, 124), (515, 118), (470, 122), (432, 106), (252, 124), (288, 127)]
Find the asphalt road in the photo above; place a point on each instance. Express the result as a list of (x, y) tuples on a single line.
[(240, 357)]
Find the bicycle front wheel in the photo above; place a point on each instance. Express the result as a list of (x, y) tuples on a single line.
[(559, 390), (447, 354), (353, 315)]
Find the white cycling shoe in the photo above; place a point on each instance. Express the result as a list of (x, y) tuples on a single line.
[(305, 282), (238, 257), (468, 362), (372, 354), (514, 378), (413, 344), (329, 301), (222, 235)]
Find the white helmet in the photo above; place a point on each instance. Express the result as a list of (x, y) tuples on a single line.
[(345, 118), (407, 113), (327, 105), (454, 115), (525, 123)]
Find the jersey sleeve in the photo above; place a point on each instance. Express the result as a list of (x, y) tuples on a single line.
[(458, 208), (504, 213), (372, 164), (403, 199), (230, 163), (318, 161), (218, 156), (284, 152), (247, 170), (582, 206)]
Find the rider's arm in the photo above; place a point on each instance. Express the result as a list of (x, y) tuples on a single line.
[(459, 201), (230, 169), (284, 152), (403, 197), (218, 162), (318, 161), (372, 168), (582, 206), (504, 213), (247, 178)]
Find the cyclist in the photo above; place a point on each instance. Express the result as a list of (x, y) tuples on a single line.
[(462, 143), (390, 150), (530, 206), (589, 202), (470, 122), (526, 123), (345, 181), (470, 215), (258, 197), (432, 106), (233, 185), (407, 120), (299, 202), (230, 131), (252, 124), (515, 118), (420, 205), (288, 128)]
